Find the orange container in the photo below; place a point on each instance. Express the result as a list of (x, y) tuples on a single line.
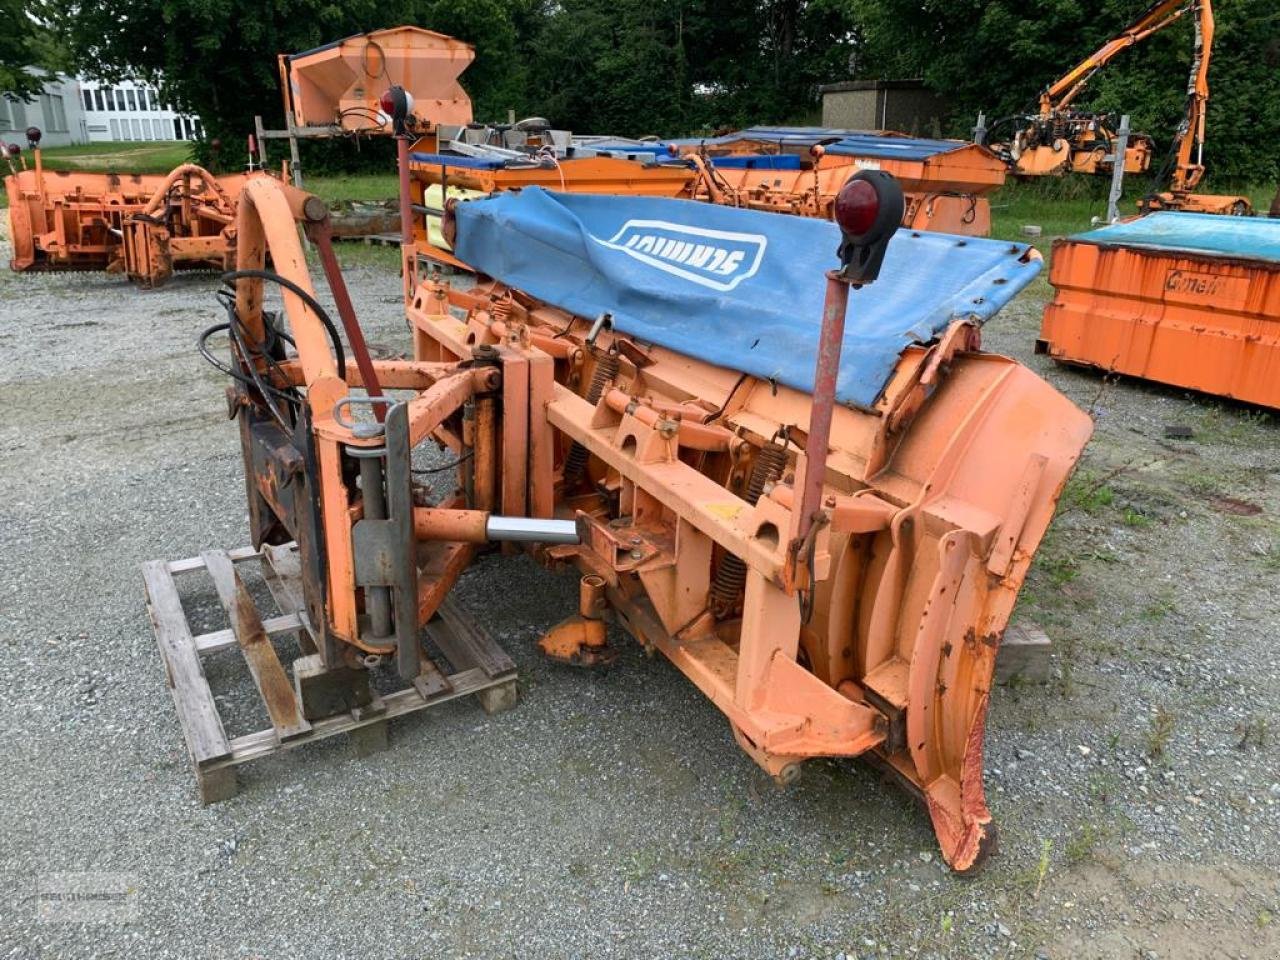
[(1191, 300)]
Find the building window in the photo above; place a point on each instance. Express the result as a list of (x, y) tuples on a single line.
[(157, 130), (99, 99), (88, 97), (55, 113), (115, 129)]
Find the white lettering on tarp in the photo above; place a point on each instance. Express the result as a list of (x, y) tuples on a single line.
[(719, 259)]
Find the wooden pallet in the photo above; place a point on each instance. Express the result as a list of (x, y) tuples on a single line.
[(300, 709), (372, 239)]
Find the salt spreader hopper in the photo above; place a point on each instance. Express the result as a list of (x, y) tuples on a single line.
[(1187, 299), (340, 85), (822, 520)]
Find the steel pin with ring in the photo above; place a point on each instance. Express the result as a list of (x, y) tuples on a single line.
[(364, 431)]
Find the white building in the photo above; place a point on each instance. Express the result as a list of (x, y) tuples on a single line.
[(131, 111), (55, 110), (71, 111)]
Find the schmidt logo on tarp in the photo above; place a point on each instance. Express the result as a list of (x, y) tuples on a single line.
[(719, 259)]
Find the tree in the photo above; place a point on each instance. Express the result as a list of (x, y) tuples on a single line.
[(19, 50), (672, 67)]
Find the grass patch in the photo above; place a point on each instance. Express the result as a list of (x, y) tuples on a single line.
[(1088, 492), (1135, 518), (1223, 424), (341, 188), (1160, 607), (1081, 844), (1062, 206), (1268, 553), (1162, 724), (149, 157), (1059, 206)]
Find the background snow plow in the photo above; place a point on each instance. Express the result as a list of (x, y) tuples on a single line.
[(801, 169), (610, 403), (1187, 299), (144, 225)]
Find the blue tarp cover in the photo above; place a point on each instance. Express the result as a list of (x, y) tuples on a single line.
[(759, 161), (735, 288), (1252, 238), (850, 143), (457, 160)]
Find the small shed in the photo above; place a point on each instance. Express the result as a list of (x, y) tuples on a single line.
[(905, 105)]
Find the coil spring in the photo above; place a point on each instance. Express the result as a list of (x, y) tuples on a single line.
[(605, 373), (500, 310), (731, 576)]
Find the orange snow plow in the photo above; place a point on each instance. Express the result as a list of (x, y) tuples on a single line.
[(146, 226), (823, 524), (800, 170), (1191, 300)]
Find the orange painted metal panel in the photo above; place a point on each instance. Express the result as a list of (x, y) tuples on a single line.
[(1199, 321)]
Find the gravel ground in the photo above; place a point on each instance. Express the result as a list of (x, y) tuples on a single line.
[(1138, 793)]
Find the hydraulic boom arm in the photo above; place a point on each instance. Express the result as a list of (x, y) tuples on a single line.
[(1190, 135), (1062, 92)]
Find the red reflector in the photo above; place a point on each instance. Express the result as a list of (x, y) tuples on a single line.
[(388, 103), (856, 207)]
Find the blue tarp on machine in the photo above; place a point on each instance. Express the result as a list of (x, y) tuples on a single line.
[(849, 143), (1251, 238), (736, 288)]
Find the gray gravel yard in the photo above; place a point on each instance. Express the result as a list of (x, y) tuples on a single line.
[(1137, 793)]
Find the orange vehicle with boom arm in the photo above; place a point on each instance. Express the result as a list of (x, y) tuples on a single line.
[(1059, 139), (1185, 166)]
